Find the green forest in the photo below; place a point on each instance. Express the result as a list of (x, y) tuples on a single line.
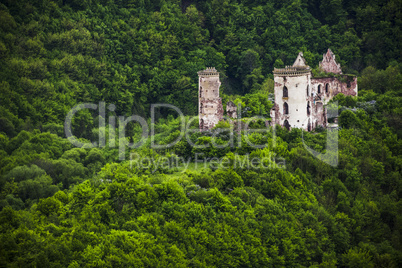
[(65, 206)]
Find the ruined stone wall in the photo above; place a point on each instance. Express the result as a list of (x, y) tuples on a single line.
[(326, 88), (319, 117), (231, 110), (211, 114)]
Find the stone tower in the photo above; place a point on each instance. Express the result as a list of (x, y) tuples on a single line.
[(292, 95), (210, 108)]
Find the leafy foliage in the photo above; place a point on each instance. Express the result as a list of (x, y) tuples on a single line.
[(63, 206)]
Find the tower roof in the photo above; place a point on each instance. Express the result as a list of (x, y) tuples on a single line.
[(299, 67), (300, 61)]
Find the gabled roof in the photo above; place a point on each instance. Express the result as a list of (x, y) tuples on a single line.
[(329, 64), (298, 68), (300, 61)]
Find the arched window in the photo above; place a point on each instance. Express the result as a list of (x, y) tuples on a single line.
[(326, 88), (285, 108), (319, 89), (309, 125), (285, 92), (307, 90), (308, 108), (286, 124)]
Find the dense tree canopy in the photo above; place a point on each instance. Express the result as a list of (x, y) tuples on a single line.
[(64, 206)]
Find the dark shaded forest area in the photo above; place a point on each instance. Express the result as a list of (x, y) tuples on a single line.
[(63, 206)]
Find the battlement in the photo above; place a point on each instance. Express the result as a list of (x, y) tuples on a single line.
[(292, 70), (209, 71)]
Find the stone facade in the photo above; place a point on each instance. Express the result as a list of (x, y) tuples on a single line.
[(210, 108), (300, 99)]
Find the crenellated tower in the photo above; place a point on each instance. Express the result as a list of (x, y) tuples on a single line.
[(210, 108)]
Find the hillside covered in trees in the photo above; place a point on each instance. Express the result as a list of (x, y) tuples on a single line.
[(63, 206)]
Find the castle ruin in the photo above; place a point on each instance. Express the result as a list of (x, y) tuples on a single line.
[(300, 98)]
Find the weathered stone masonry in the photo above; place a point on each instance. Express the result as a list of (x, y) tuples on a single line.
[(231, 110), (300, 99), (210, 108)]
